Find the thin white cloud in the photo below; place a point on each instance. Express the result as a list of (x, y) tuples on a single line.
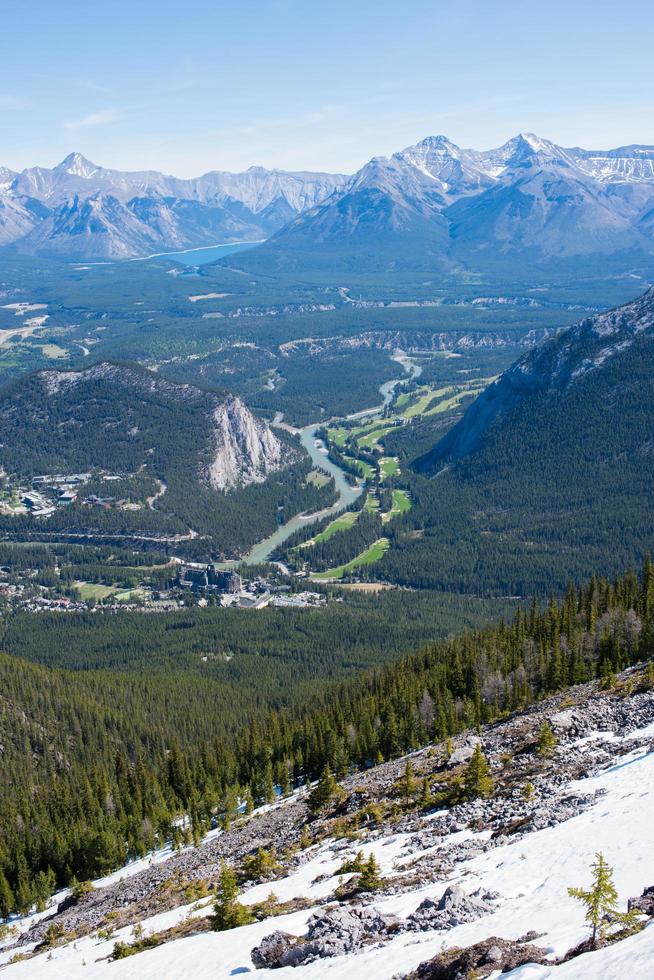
[(101, 118)]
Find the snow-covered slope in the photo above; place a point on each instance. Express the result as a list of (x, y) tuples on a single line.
[(498, 867)]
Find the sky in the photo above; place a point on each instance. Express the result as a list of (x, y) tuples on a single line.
[(187, 87)]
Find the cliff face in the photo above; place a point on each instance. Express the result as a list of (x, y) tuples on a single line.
[(246, 450)]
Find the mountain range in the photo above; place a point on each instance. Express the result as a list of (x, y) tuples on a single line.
[(436, 205), (80, 209), (433, 205)]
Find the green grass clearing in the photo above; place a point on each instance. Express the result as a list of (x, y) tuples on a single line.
[(371, 438), (318, 478), (127, 594), (419, 406), (340, 523), (54, 352), (372, 503), (401, 501), (372, 554), (389, 466), (94, 590), (363, 468), (338, 436)]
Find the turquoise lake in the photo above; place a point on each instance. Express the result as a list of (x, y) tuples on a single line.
[(202, 256)]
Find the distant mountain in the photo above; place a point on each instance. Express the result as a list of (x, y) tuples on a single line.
[(432, 207), (18, 216), (548, 473), (96, 227), (102, 226), (82, 207), (435, 205)]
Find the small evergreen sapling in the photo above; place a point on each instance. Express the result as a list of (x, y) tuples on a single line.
[(324, 792), (477, 781), (546, 740), (407, 784), (371, 878), (601, 902), (228, 913)]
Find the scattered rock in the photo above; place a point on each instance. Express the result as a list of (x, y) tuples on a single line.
[(336, 931), (644, 903), (464, 753), (272, 949), (480, 960)]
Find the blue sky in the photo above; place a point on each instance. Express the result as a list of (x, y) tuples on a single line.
[(190, 86)]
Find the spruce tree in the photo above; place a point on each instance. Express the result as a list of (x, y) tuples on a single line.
[(228, 913), (477, 781), (6, 897), (546, 740), (371, 878), (407, 784), (324, 792)]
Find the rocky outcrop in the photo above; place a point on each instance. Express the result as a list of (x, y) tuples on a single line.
[(345, 929), (490, 956), (246, 449), (454, 908), (335, 932), (643, 903)]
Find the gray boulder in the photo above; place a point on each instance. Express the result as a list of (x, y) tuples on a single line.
[(333, 932), (464, 753), (454, 908)]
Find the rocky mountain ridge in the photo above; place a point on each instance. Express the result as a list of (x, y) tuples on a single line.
[(129, 411), (438, 206), (555, 364)]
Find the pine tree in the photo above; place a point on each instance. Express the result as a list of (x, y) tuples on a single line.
[(228, 913), (6, 897), (546, 740), (601, 899), (477, 781), (425, 795), (371, 878), (407, 783), (324, 792), (249, 800)]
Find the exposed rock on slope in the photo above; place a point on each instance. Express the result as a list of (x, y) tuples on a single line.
[(124, 417), (247, 450)]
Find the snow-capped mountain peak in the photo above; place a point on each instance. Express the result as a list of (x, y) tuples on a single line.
[(78, 166)]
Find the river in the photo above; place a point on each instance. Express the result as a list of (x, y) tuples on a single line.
[(317, 450)]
